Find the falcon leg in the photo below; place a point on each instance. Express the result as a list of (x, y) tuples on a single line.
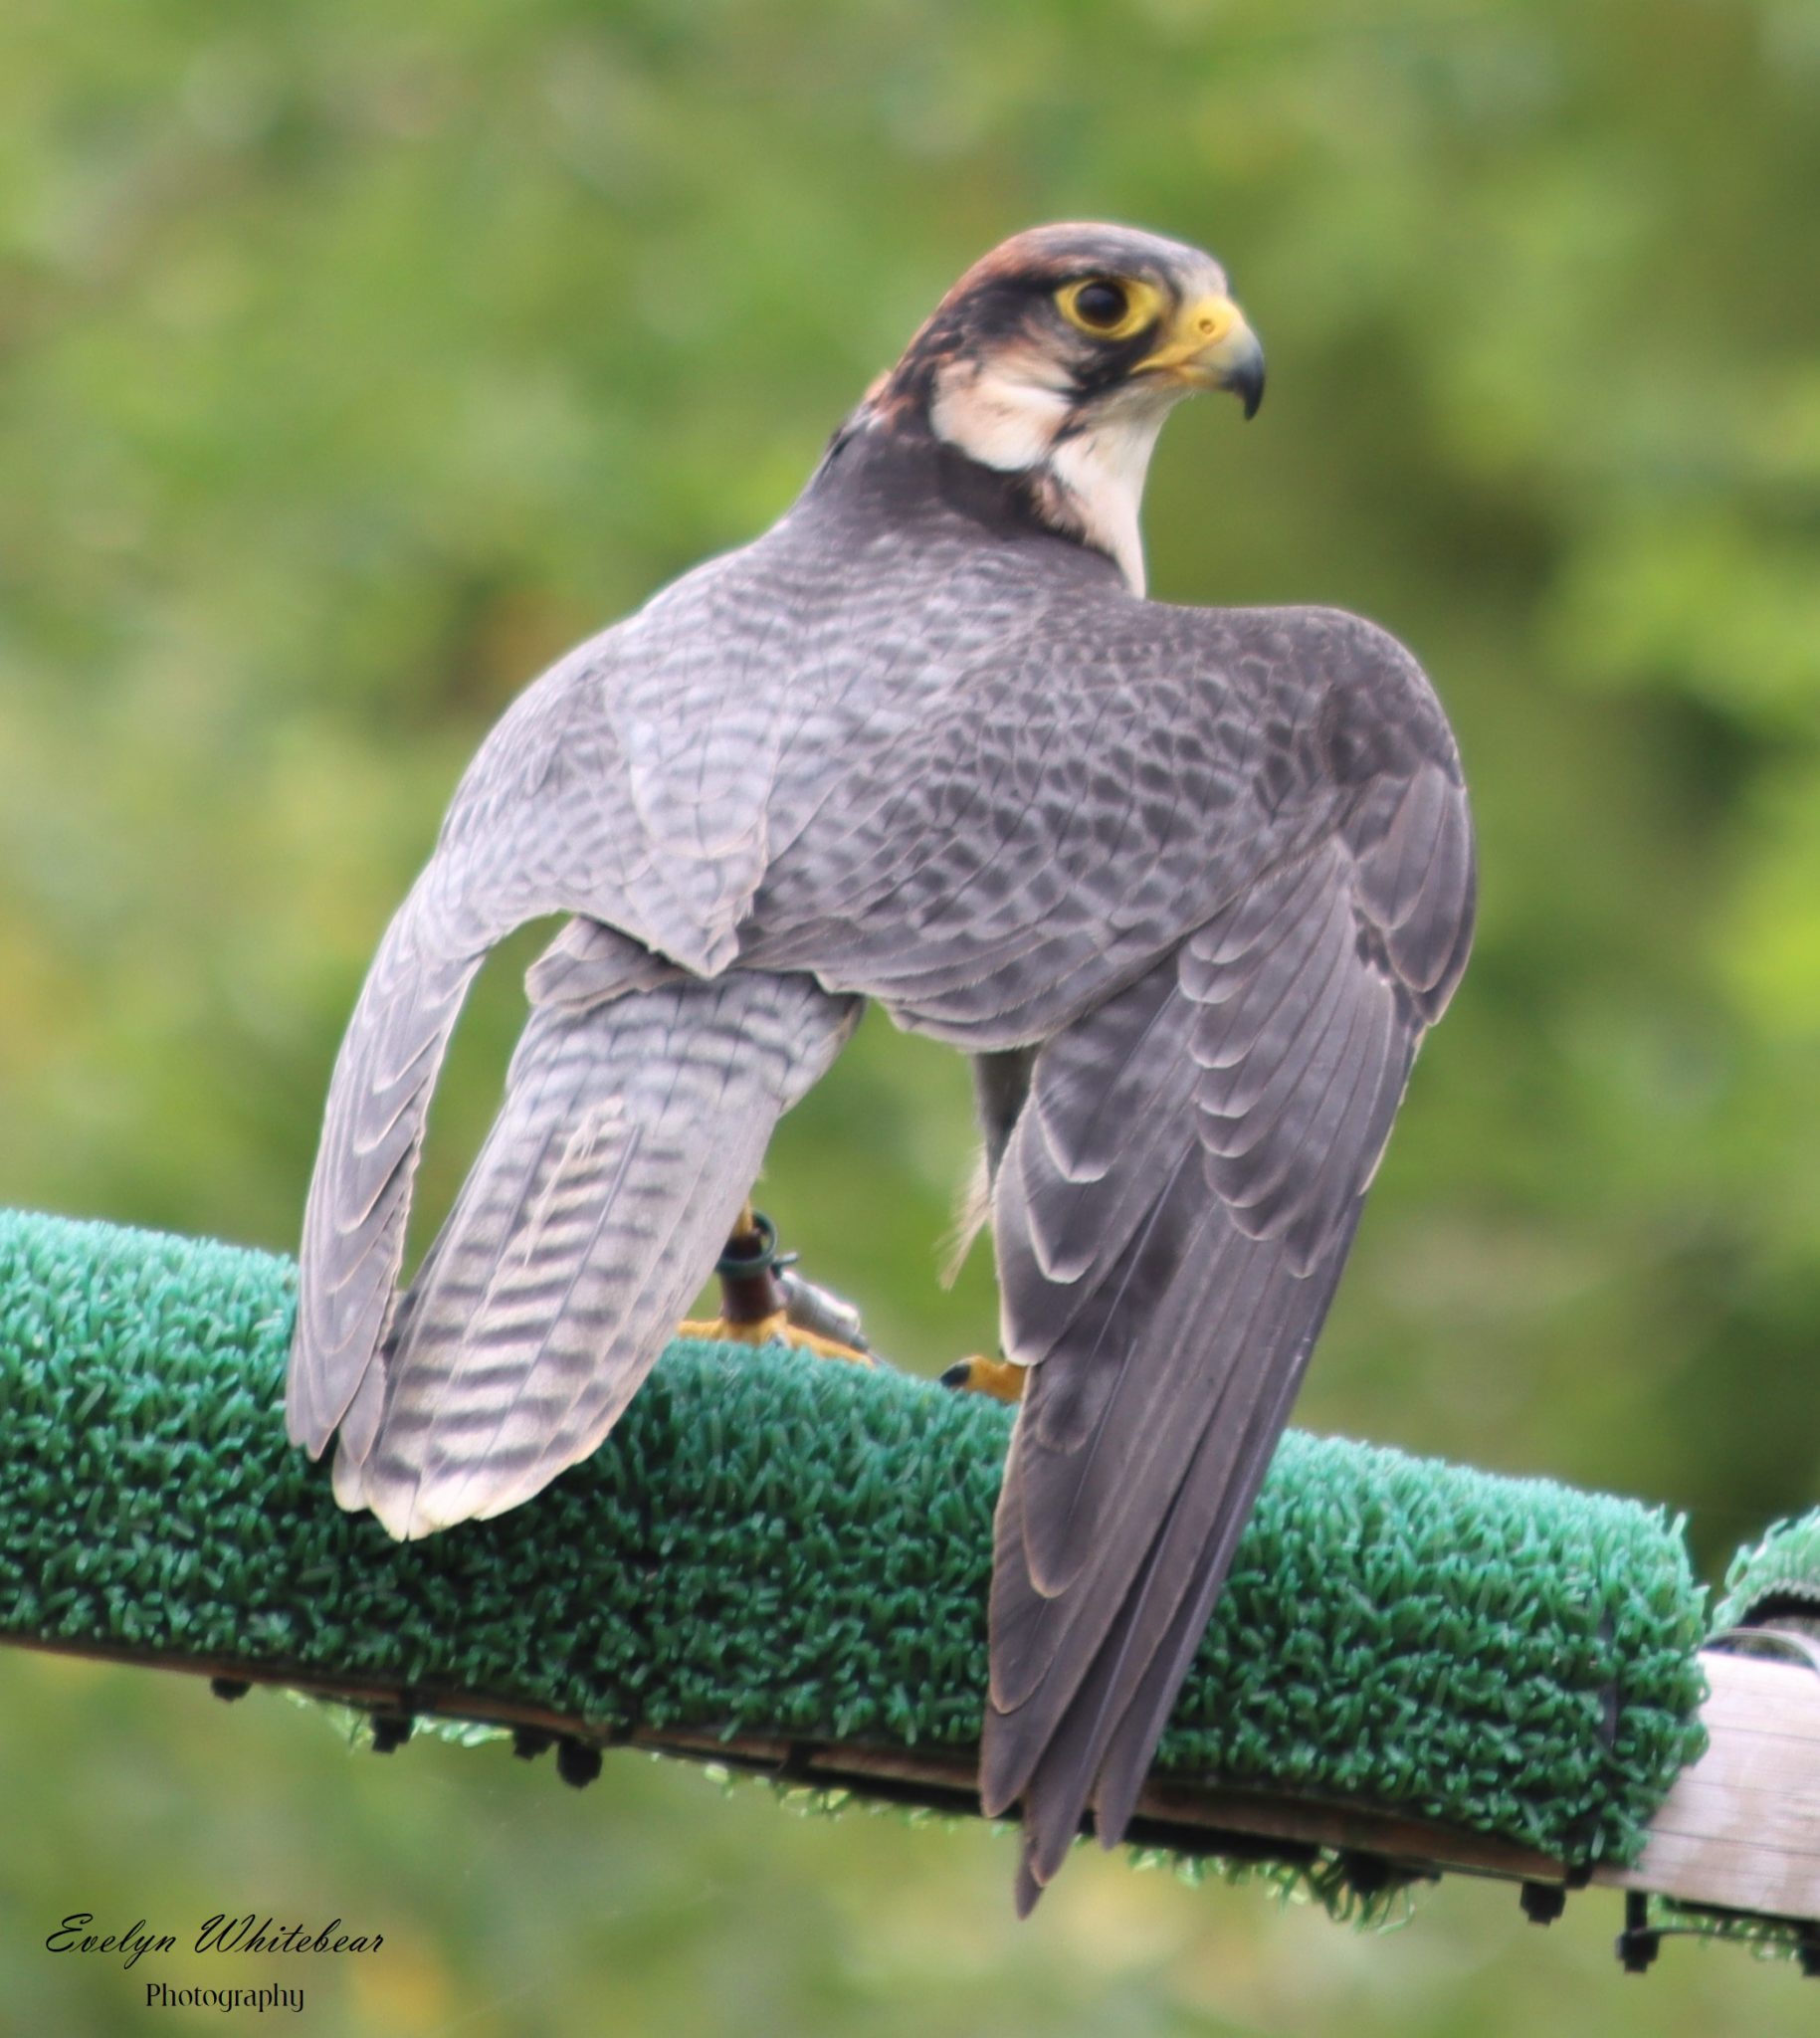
[(999, 1378), (763, 1302)]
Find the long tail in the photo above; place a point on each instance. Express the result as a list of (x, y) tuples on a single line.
[(632, 1128)]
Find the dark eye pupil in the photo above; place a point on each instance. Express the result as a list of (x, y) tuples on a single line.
[(1100, 304)]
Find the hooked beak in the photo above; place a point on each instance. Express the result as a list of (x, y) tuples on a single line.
[(1210, 346)]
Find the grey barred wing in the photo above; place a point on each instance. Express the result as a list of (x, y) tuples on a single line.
[(1173, 1210)]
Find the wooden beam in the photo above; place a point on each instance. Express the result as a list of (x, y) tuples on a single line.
[(1740, 1828)]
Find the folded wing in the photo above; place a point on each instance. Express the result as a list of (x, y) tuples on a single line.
[(1171, 1216)]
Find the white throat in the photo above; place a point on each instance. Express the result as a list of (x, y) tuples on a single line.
[(1010, 413)]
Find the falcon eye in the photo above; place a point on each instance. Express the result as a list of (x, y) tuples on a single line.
[(1101, 304), (1107, 307)]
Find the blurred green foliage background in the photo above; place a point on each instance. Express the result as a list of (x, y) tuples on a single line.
[(355, 360)]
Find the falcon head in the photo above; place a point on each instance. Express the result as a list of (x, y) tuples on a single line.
[(1057, 358)]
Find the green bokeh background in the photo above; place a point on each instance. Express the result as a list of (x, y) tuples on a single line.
[(355, 360)]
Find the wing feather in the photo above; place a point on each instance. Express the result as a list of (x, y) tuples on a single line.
[(361, 1194), (1175, 1204)]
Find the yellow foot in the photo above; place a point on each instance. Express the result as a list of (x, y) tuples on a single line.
[(999, 1378), (762, 1303), (772, 1330)]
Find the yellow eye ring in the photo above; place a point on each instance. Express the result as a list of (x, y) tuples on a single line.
[(1112, 307)]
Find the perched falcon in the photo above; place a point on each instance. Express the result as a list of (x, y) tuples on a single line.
[(1188, 885)]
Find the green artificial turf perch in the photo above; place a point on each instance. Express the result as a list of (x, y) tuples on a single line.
[(1776, 1581), (777, 1545)]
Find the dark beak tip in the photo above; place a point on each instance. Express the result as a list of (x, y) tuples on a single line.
[(1245, 378)]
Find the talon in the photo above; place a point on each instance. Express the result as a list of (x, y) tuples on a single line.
[(1002, 1378), (771, 1329)]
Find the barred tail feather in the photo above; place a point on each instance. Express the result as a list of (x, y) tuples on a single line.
[(632, 1132)]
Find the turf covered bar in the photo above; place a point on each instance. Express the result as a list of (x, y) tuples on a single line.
[(781, 1561)]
